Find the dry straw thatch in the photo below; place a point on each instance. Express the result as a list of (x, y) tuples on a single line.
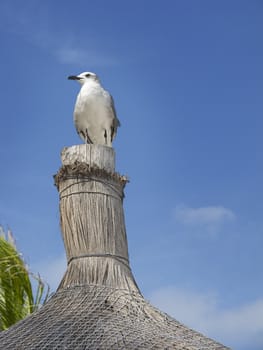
[(98, 304)]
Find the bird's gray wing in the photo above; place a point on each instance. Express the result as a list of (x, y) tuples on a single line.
[(116, 121)]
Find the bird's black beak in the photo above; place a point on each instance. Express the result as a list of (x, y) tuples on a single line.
[(73, 77)]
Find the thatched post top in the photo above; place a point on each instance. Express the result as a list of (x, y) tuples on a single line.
[(96, 156), (82, 161)]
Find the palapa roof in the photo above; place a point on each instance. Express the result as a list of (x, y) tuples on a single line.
[(98, 317), (98, 304)]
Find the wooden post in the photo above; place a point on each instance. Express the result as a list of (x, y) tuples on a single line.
[(92, 218)]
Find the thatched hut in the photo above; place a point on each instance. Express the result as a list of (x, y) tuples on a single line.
[(98, 304)]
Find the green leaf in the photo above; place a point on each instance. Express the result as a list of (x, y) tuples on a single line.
[(16, 292)]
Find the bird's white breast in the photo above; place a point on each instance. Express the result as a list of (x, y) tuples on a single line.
[(93, 111)]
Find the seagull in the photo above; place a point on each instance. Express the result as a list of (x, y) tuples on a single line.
[(95, 116)]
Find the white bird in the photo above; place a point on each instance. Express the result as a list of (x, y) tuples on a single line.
[(95, 116)]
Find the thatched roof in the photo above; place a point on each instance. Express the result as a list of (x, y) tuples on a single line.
[(98, 317), (98, 304)]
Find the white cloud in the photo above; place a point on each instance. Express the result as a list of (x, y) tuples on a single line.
[(240, 327), (70, 55), (203, 215), (207, 220), (79, 56), (32, 23)]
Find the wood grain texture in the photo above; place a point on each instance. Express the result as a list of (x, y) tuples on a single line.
[(99, 156)]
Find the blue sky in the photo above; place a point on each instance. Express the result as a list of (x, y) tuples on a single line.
[(187, 79)]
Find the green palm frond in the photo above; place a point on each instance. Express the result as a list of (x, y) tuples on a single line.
[(16, 293)]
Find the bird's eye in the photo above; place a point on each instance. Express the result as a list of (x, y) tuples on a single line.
[(87, 75)]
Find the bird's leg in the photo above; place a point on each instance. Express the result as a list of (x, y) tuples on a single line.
[(111, 133), (87, 138), (107, 138), (82, 135)]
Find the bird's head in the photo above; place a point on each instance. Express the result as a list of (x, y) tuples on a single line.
[(84, 77)]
